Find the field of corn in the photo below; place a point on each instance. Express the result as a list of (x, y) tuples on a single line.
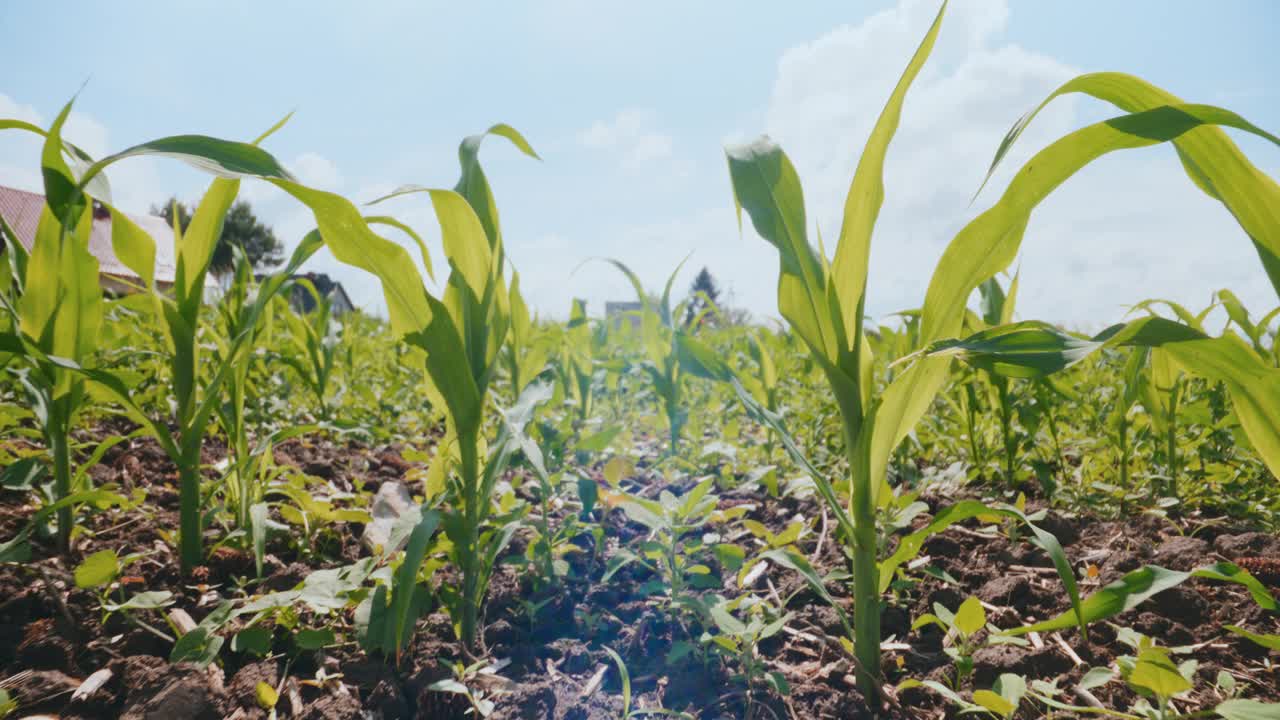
[(221, 507)]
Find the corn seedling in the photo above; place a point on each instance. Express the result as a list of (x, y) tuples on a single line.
[(316, 337), (461, 335), (661, 359), (823, 299)]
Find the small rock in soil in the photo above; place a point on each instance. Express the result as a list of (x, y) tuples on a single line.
[(1181, 553), (990, 662), (185, 691), (529, 701), (1247, 544), (319, 469), (389, 504), (1184, 604), (387, 700), (1169, 631), (243, 688), (1011, 590), (332, 707), (287, 578)]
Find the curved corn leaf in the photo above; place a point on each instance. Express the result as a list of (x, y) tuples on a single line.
[(1028, 349), (766, 185), (1271, 642), (224, 158), (1136, 587), (77, 159), (474, 186), (909, 547), (422, 245), (1213, 162), (1244, 709), (348, 236), (133, 246)]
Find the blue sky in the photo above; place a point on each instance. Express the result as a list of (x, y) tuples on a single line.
[(629, 105)]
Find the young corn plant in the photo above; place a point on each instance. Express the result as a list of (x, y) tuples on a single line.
[(823, 299), (70, 189), (997, 309), (52, 305), (661, 357), (575, 365), (526, 352), (461, 335), (316, 339)]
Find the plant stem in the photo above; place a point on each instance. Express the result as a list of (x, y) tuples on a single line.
[(190, 551), (470, 552), (1171, 440), (866, 577), (61, 450), (1006, 428)]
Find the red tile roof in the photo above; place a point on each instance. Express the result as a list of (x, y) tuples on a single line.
[(21, 209)]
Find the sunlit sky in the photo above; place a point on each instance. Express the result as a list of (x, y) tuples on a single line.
[(630, 105)]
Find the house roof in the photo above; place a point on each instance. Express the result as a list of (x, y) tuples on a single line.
[(21, 209)]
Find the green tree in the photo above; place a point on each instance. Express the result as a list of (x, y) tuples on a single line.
[(241, 228), (703, 295)]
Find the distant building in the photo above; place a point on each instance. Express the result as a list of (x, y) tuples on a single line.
[(301, 299), (616, 312), (21, 210)]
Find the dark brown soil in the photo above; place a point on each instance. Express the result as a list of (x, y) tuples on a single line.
[(52, 636)]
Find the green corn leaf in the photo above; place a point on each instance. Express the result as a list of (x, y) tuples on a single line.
[(665, 310), (134, 247), (766, 186), (464, 241), (150, 600), (1209, 157), (1028, 349), (77, 159), (626, 680), (223, 158), (866, 195), (348, 236), (198, 241), (474, 186), (993, 702), (64, 199), (406, 580), (1136, 587), (1240, 709), (1271, 642), (793, 560), (422, 245), (1230, 572)]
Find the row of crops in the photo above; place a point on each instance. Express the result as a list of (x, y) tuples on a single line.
[(679, 495)]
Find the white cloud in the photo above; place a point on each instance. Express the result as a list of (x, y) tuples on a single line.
[(631, 135), (317, 171), (13, 110)]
